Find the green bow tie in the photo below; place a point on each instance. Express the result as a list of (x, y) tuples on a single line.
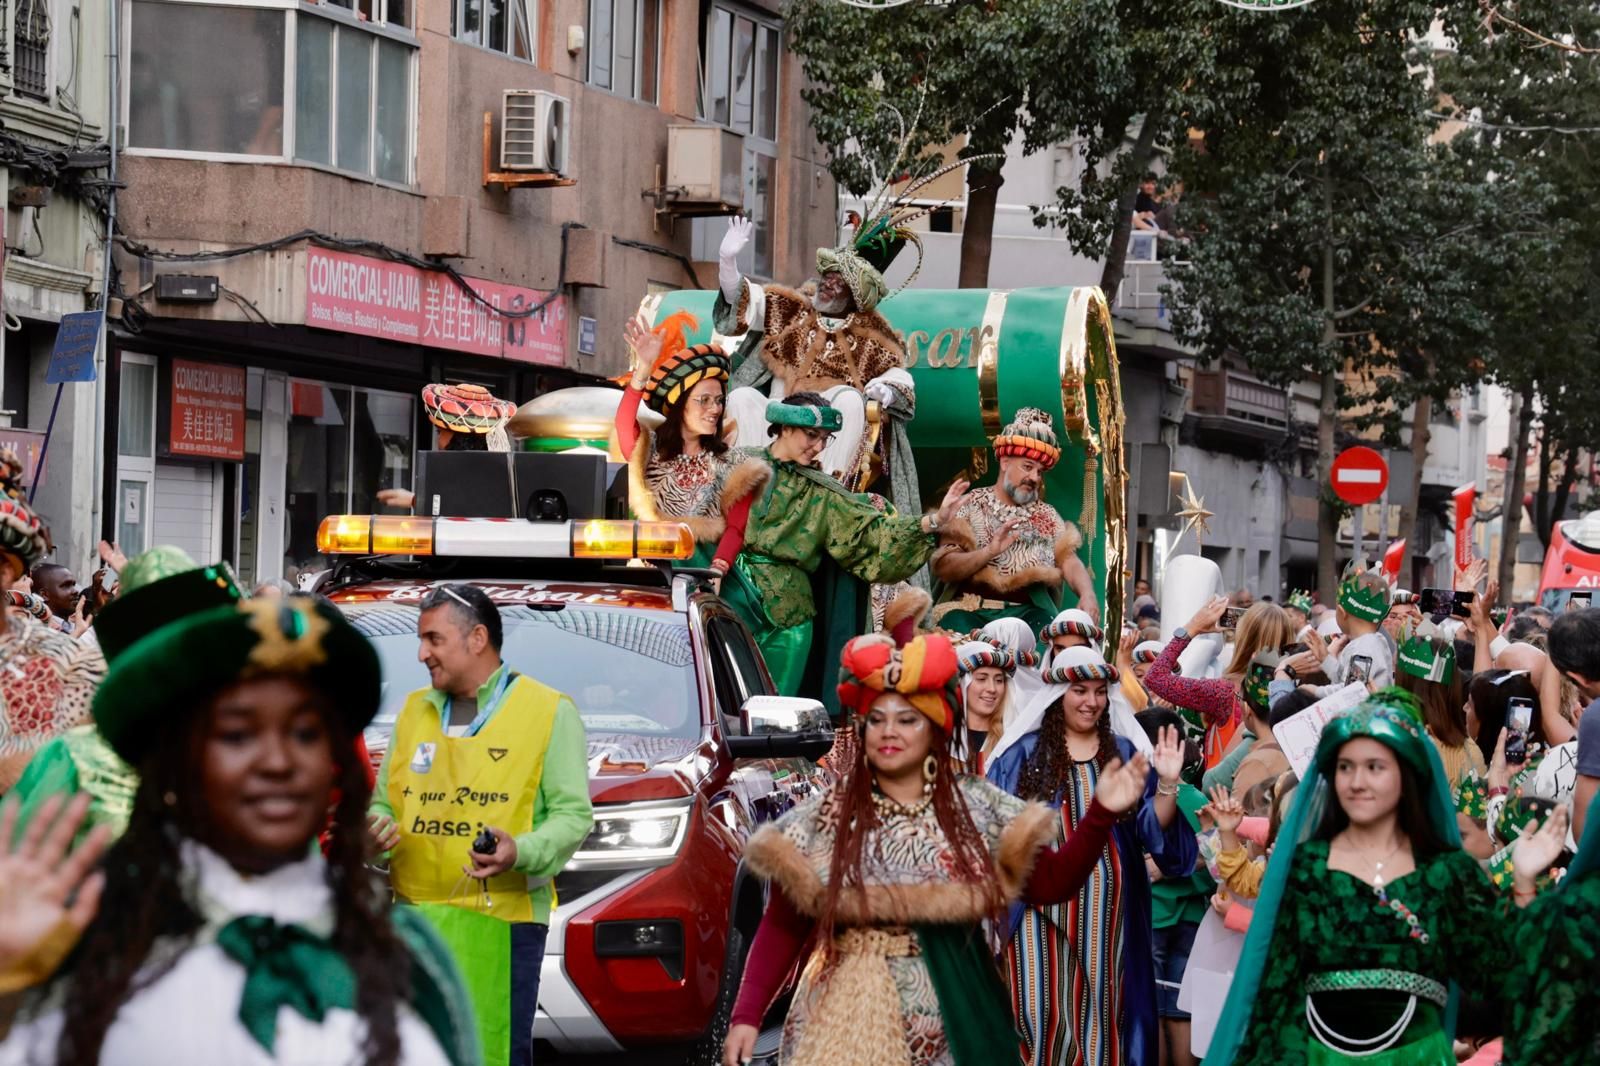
[(285, 965)]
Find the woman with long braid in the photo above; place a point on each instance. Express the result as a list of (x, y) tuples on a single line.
[(1082, 976)]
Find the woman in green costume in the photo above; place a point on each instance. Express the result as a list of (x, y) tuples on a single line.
[(799, 523), (1371, 913)]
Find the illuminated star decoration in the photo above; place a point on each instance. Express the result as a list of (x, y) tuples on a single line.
[(1194, 513)]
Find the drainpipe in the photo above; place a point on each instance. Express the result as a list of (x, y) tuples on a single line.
[(113, 107)]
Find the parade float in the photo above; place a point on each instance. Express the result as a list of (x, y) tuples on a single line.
[(975, 356)]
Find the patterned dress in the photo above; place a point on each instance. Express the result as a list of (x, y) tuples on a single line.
[(47, 680), (1064, 961), (1551, 1016), (910, 853), (1330, 921)]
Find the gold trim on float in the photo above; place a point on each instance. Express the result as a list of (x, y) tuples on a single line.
[(1114, 468), (1075, 366), (994, 313)]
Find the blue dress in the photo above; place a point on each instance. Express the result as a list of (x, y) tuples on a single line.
[(1056, 972)]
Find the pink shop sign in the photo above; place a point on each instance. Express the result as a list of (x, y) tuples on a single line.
[(377, 298)]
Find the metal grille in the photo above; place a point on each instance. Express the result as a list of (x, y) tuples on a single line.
[(32, 34)]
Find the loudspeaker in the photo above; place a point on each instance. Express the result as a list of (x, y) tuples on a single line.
[(534, 485)]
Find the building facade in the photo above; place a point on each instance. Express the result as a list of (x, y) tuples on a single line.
[(292, 202)]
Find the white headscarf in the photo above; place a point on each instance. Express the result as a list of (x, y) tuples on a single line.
[(1123, 723), (966, 656), (1017, 637), (1081, 618)]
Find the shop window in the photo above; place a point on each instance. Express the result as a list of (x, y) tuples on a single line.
[(344, 115), (741, 65), (624, 46), (206, 79), (136, 411), (761, 173), (503, 26)]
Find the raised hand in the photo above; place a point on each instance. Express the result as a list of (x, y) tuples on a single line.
[(1125, 647), (1004, 537), (1206, 618), (1168, 757), (112, 556), (1226, 811), (646, 348), (1121, 784), (952, 500), (1534, 851), (43, 880), (740, 230)]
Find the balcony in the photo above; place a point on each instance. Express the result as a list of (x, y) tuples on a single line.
[(1143, 318), (1232, 406)]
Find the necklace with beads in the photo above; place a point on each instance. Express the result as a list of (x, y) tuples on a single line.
[(890, 808)]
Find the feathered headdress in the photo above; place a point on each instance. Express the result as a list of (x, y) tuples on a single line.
[(679, 367)]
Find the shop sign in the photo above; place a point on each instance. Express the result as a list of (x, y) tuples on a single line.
[(398, 302), (28, 444), (207, 411)]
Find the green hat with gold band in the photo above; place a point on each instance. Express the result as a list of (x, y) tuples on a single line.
[(805, 416), (183, 663), (1364, 593), (157, 588), (1428, 654), (1390, 716)]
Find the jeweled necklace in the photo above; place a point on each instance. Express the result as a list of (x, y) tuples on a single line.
[(889, 808)]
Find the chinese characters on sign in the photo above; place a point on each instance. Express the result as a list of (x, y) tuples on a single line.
[(394, 301), (207, 410)]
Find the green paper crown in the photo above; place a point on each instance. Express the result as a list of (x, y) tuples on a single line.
[(805, 416), (1300, 600), (1364, 593), (1429, 655)]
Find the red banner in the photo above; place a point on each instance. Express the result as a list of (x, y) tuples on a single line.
[(1391, 560), (207, 411), (1466, 499), (397, 302)]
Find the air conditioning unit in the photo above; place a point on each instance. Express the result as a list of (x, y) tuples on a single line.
[(533, 131), (705, 166)]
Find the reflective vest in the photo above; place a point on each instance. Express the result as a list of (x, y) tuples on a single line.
[(444, 790)]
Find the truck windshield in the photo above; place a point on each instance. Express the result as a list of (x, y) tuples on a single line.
[(628, 671)]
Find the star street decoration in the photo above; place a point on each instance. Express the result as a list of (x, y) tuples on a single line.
[(1194, 513)]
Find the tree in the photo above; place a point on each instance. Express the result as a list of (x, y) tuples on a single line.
[(1332, 239)]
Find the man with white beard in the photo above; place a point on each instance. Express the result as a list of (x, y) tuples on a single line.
[(835, 343), (1007, 553)]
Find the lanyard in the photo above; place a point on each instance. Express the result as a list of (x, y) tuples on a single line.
[(485, 711)]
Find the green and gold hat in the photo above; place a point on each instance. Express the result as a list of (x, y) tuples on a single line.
[(1301, 601), (805, 416), (1428, 654), (184, 663), (1390, 716), (158, 588), (1364, 593), (864, 280)]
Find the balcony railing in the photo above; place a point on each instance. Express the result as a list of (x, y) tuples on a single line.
[(1223, 392)]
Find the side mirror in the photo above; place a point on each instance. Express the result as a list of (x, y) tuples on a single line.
[(782, 727)]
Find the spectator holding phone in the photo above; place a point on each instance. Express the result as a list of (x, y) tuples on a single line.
[(1367, 654), (1504, 709), (1575, 652), (1220, 700)]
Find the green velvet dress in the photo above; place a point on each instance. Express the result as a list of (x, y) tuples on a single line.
[(1554, 980), (1331, 922), (801, 523)]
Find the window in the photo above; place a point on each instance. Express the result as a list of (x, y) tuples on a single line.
[(352, 99), (624, 43), (32, 35), (349, 84), (498, 25), (741, 66)]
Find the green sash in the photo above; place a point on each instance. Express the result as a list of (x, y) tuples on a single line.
[(978, 1023)]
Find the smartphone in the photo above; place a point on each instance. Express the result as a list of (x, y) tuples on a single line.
[(1519, 722), (1446, 601), (1579, 601), (1230, 618), (1361, 668)]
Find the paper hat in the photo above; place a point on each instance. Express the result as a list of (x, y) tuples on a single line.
[(1428, 654), (1364, 593)]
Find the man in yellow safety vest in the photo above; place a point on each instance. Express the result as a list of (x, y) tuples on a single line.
[(482, 798)]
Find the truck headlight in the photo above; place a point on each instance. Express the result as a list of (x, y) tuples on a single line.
[(633, 835)]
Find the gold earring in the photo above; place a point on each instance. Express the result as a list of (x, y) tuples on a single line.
[(930, 768)]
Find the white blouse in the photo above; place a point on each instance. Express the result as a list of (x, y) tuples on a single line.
[(190, 1017)]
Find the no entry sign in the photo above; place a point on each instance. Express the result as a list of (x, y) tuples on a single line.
[(1359, 476)]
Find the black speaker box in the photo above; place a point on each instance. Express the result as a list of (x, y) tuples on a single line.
[(536, 485)]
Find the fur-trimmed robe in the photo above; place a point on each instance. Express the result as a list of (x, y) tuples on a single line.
[(803, 353), (1045, 541), (734, 476)]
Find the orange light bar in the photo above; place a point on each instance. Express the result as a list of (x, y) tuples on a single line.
[(358, 534), (603, 539)]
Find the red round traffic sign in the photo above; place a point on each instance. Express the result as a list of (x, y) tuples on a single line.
[(1359, 476)]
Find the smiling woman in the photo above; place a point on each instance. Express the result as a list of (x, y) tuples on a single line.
[(241, 722)]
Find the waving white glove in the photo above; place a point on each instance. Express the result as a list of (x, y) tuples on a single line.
[(881, 391), (739, 233)]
